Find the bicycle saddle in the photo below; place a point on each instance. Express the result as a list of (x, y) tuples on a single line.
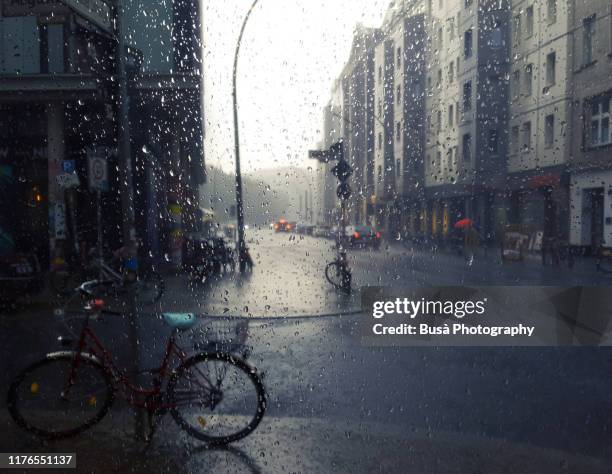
[(181, 321)]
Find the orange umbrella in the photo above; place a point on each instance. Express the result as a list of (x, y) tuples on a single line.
[(464, 223)]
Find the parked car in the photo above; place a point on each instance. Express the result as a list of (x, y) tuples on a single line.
[(363, 236), (283, 226), (321, 231), (20, 275), (204, 255)]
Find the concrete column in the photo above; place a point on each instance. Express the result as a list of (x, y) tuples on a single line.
[(56, 150)]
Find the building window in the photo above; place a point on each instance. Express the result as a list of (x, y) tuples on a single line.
[(440, 38), (529, 22), (451, 71), (467, 43), (468, 3), (551, 9), (438, 160), (429, 82), (515, 140), (529, 79), (467, 147), (451, 115), (588, 33), (600, 122), (467, 96), (551, 60), (439, 123), (379, 173), (398, 94), (457, 113), (493, 141), (527, 136), (379, 141), (399, 56), (398, 168), (379, 74), (380, 117), (451, 28), (496, 38), (549, 131), (439, 77), (516, 84), (516, 29), (398, 131)]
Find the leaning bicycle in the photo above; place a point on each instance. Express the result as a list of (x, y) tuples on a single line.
[(338, 273), (148, 285), (214, 395)]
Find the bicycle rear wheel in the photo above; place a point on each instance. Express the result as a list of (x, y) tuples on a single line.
[(217, 398), (337, 276), (45, 401)]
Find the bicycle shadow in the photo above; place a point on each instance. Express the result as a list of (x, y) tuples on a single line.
[(220, 459)]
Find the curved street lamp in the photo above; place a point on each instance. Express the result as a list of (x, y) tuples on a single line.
[(243, 256)]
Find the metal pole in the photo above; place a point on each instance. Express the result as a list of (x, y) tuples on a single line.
[(239, 204), (127, 204), (124, 146), (99, 225)]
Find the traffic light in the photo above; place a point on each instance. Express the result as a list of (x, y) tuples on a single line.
[(342, 170)]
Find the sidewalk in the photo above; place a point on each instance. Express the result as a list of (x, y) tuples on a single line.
[(304, 445)]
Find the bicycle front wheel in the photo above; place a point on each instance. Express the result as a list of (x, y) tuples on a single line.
[(59, 396), (217, 398), (339, 277)]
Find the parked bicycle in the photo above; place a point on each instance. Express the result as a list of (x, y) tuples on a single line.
[(604, 260), (149, 285), (214, 395), (338, 272)]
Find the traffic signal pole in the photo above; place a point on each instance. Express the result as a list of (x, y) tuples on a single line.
[(127, 205)]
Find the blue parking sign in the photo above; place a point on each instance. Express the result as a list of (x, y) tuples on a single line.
[(68, 166)]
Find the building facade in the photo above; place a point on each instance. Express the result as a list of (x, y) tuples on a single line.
[(540, 108), (58, 98), (466, 115), (590, 187)]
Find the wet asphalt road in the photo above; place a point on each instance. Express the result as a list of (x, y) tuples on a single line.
[(328, 392)]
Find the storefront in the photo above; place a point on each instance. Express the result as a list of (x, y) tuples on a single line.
[(591, 210)]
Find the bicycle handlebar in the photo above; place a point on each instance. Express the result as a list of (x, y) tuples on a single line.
[(84, 288)]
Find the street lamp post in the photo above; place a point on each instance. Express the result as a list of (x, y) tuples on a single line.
[(242, 251)]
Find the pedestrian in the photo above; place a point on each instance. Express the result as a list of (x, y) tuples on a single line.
[(471, 241)]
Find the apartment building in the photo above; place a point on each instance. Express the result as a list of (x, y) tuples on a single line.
[(409, 42), (358, 95), (467, 113), (540, 109), (384, 154), (591, 146)]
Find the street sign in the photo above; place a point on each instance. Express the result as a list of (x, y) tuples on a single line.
[(321, 155), (67, 180), (68, 166), (342, 170), (344, 191), (97, 12), (97, 168)]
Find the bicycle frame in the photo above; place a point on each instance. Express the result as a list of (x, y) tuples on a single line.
[(89, 343)]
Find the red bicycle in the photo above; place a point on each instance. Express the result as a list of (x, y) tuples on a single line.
[(214, 395)]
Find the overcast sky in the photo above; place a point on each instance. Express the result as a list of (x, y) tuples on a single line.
[(291, 52)]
